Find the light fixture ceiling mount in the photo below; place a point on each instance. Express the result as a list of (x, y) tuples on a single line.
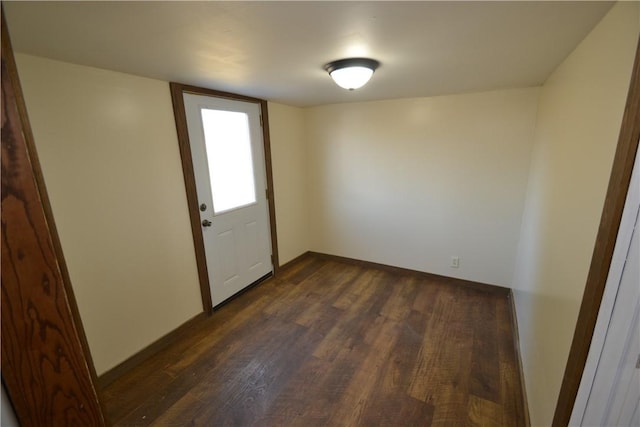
[(352, 73)]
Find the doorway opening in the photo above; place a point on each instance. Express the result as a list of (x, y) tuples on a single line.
[(226, 161)]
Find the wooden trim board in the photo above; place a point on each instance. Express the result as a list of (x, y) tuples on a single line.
[(192, 198), (122, 368), (494, 289), (603, 249), (114, 373), (300, 257), (108, 377), (516, 345), (266, 139)]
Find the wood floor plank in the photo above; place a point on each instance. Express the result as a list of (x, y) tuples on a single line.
[(427, 372), (168, 363), (454, 376), (292, 406), (194, 375), (251, 390), (485, 365), (329, 391), (358, 292), (176, 415), (332, 343), (120, 400), (389, 404), (230, 323), (484, 413), (328, 289), (302, 270), (352, 325), (399, 304), (353, 402)]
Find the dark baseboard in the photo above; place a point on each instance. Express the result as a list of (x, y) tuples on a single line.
[(295, 260), (516, 345), (484, 287), (122, 368)]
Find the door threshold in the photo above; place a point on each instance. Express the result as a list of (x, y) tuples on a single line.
[(245, 289)]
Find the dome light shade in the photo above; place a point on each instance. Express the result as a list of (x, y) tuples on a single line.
[(352, 73)]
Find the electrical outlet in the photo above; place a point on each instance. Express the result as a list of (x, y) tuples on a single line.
[(455, 262)]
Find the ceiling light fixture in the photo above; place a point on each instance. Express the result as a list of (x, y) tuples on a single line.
[(352, 73)]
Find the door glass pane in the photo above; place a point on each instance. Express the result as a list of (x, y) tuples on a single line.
[(226, 136)]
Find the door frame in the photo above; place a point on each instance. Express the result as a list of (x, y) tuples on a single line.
[(177, 99), (610, 299), (619, 181)]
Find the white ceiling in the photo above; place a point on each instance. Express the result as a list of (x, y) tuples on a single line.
[(276, 50)]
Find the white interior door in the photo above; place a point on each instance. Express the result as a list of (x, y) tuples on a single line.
[(228, 161)]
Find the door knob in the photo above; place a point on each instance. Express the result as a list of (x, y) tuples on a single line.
[(206, 223)]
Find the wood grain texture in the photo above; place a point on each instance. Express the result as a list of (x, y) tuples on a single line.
[(331, 343), (46, 368), (484, 287), (603, 250), (140, 357)]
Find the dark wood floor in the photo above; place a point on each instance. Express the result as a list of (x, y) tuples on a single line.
[(335, 344)]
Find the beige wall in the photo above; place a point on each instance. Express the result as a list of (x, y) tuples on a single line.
[(579, 118), (405, 182), (289, 164), (109, 154), (412, 182)]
